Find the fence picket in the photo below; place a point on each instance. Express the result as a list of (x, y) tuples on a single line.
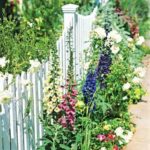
[(1, 121), (40, 91), (19, 109), (24, 84), (13, 122), (31, 115), (35, 106)]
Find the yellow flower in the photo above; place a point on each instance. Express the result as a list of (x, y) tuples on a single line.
[(107, 127), (57, 109), (80, 104), (137, 93)]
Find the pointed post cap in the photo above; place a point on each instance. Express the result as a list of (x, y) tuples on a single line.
[(70, 8)]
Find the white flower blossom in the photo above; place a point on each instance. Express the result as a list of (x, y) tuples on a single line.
[(140, 71), (119, 131), (130, 39), (126, 86), (5, 97), (125, 98), (115, 36), (103, 148), (120, 142), (115, 49), (127, 137), (30, 24), (86, 65), (101, 32), (140, 40), (3, 62), (136, 80), (35, 65)]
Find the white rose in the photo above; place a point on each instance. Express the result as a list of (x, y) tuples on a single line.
[(35, 65), (115, 36), (119, 131), (125, 98), (127, 137), (130, 135), (140, 71), (5, 97), (86, 65), (3, 62), (101, 32), (130, 39), (126, 86), (140, 40), (120, 142), (136, 80), (115, 49), (103, 148)]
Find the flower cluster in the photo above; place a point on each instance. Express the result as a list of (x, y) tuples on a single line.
[(103, 69), (35, 65), (140, 40), (51, 95), (100, 32), (5, 97), (125, 135), (106, 137), (67, 108), (126, 86), (89, 87), (3, 62), (140, 71), (114, 36)]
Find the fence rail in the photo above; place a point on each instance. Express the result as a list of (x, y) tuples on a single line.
[(20, 126)]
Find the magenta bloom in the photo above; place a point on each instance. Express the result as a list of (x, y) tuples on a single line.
[(101, 137), (67, 108)]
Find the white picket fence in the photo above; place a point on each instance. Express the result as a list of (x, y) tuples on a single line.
[(20, 130)]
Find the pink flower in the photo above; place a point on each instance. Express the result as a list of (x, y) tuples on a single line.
[(115, 147), (101, 137), (63, 121), (67, 108)]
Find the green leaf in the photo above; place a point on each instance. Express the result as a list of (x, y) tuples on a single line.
[(64, 147)]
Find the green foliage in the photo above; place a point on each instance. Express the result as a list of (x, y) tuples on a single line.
[(19, 44), (138, 9), (45, 14)]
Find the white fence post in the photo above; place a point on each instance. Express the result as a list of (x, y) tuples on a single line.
[(69, 11), (70, 19)]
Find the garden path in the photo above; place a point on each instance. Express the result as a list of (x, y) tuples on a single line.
[(141, 115)]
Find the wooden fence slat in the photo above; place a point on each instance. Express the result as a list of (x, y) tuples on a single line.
[(19, 109), (1, 122), (35, 106), (6, 123), (40, 98), (1, 140), (31, 115), (25, 102), (13, 130)]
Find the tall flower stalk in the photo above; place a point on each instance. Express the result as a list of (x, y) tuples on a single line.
[(67, 106), (52, 88)]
